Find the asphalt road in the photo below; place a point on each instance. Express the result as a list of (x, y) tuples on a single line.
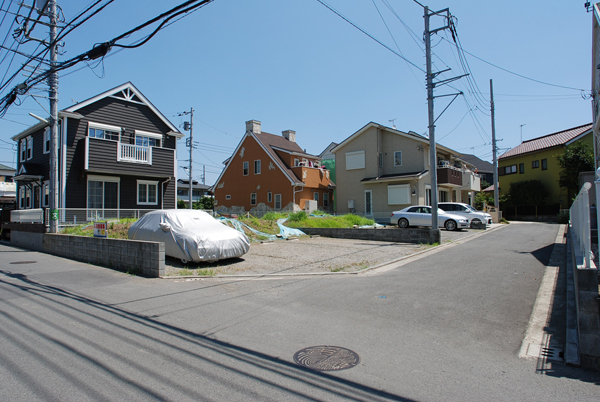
[(445, 327)]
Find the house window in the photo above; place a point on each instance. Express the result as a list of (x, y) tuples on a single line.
[(399, 194), (355, 160), (253, 199), (104, 132), (22, 195), (23, 150), (246, 168), (381, 159), (228, 197), (269, 197), (29, 147), (544, 164), (103, 192), (145, 139), (46, 194), (27, 197), (257, 167), (428, 195), (535, 164), (47, 140), (147, 192), (316, 197), (296, 162), (443, 196), (521, 168), (510, 169), (325, 200), (277, 201), (398, 158)]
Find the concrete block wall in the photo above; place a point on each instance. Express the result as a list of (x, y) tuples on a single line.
[(139, 257), (587, 308), (414, 235)]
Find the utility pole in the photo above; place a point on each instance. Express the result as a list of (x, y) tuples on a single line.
[(190, 143), (53, 95), (494, 148), (432, 145)]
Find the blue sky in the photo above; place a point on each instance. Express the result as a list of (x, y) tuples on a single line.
[(296, 65)]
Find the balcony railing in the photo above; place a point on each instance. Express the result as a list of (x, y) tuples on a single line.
[(449, 175), (134, 153)]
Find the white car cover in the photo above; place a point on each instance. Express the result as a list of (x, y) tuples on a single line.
[(190, 235)]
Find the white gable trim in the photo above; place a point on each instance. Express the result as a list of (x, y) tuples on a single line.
[(393, 131), (136, 91), (237, 149)]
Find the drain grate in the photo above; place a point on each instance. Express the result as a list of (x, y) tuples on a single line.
[(553, 354), (326, 358), (23, 262)]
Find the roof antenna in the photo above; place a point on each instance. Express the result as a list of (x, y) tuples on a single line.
[(392, 121)]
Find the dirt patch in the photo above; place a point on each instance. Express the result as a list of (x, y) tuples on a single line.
[(304, 255)]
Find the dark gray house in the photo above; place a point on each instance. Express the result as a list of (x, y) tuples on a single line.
[(116, 152)]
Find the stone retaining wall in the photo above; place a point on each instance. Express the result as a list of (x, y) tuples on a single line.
[(137, 257), (411, 235)]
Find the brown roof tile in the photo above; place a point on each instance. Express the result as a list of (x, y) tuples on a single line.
[(269, 141), (547, 141)]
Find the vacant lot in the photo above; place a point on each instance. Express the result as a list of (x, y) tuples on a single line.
[(308, 255)]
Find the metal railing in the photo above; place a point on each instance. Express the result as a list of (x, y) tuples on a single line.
[(78, 216), (579, 216), (134, 153)]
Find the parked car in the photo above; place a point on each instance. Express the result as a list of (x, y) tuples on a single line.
[(420, 215), (467, 211), (190, 235)]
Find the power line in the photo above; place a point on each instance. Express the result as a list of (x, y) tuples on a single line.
[(369, 35), (517, 74)]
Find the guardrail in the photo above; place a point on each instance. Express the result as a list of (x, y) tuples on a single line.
[(579, 216)]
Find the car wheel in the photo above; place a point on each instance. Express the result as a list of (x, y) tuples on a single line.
[(402, 223), (450, 225), (475, 221)]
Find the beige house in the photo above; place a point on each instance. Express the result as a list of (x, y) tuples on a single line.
[(380, 169)]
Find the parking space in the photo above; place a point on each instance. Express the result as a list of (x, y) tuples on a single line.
[(309, 255)]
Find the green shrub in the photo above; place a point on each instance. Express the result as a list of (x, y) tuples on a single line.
[(298, 216)]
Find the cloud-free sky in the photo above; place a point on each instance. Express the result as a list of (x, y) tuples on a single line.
[(296, 65)]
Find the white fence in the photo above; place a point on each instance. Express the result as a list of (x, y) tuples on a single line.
[(579, 216)]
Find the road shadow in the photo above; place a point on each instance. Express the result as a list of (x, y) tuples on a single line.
[(223, 364)]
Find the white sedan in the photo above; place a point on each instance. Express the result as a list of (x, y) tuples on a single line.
[(420, 215)]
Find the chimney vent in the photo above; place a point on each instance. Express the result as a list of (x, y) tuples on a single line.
[(289, 135), (253, 126)]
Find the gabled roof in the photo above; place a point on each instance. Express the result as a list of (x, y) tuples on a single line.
[(549, 141), (410, 134), (270, 143), (129, 92), (481, 165), (126, 91), (7, 168)]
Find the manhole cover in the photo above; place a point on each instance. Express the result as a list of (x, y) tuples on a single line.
[(23, 262), (326, 358)]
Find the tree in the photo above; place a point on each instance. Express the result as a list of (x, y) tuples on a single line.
[(528, 193), (577, 157)]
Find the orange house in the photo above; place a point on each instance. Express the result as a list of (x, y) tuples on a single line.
[(272, 173)]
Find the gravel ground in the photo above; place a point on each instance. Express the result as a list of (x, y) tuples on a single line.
[(308, 255)]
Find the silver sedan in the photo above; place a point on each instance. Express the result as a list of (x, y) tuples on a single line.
[(420, 215)]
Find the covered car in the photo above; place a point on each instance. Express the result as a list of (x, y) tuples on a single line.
[(190, 235)]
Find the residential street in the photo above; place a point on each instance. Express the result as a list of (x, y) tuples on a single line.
[(445, 327)]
